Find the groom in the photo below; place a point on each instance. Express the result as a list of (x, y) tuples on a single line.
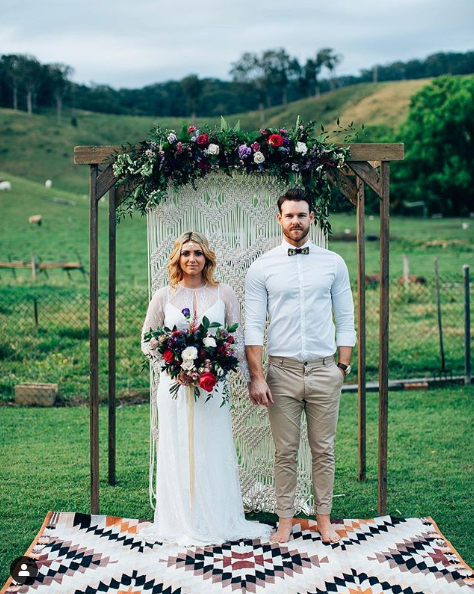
[(301, 286)]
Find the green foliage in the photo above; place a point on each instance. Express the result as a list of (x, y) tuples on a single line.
[(169, 158), (439, 148)]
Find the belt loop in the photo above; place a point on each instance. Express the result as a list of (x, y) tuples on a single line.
[(324, 361)]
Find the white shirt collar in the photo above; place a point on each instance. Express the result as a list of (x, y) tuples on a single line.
[(285, 244)]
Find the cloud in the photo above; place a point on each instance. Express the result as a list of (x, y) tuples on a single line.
[(131, 44)]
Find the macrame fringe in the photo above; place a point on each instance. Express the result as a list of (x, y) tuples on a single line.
[(238, 216)]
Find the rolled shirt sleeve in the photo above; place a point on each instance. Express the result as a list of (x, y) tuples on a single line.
[(343, 306), (255, 305)]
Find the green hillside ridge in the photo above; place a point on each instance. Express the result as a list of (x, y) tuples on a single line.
[(37, 148), (368, 103)]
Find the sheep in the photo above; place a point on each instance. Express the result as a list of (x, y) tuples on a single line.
[(5, 185), (35, 220), (420, 280), (48, 183)]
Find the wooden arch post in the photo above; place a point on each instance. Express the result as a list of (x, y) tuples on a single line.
[(370, 162)]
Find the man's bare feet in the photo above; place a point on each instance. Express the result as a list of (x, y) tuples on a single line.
[(283, 533), (326, 529)]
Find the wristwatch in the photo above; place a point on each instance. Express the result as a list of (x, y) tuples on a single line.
[(345, 368)]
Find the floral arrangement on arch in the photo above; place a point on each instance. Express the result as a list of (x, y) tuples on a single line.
[(170, 157)]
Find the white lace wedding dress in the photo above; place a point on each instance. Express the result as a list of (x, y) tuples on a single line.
[(216, 514)]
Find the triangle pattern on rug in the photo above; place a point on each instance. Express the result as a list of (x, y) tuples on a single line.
[(88, 554)]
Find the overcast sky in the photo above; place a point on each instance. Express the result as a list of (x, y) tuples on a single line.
[(127, 43)]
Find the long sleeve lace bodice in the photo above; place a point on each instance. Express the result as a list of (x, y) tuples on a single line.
[(198, 301)]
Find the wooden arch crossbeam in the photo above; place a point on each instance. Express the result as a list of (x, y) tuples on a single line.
[(369, 164)]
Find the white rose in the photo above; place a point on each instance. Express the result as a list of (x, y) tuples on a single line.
[(153, 343), (259, 157), (172, 138), (301, 148), (190, 353), (187, 364), (209, 341), (213, 149)]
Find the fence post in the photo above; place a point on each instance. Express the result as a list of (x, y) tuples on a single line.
[(440, 320), (467, 326), (35, 311)]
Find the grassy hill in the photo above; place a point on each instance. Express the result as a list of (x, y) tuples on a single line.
[(64, 235), (37, 148), (369, 104)]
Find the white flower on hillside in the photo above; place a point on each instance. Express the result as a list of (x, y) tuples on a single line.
[(301, 148), (189, 353), (259, 157)]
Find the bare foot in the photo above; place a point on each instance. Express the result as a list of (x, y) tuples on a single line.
[(283, 533), (326, 529)]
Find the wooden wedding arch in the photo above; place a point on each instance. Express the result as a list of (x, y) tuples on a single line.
[(369, 164)]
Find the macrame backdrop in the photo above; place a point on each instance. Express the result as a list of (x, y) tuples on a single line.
[(238, 216)]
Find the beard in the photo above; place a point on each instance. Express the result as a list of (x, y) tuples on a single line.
[(304, 233)]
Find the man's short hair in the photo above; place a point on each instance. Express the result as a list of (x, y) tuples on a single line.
[(297, 195)]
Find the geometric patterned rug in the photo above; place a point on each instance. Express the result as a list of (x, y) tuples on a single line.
[(88, 554)]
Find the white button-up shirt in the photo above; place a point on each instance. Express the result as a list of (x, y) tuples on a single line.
[(300, 293)]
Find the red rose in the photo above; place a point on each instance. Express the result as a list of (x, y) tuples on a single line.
[(168, 356), (231, 340), (207, 381), (275, 140), (202, 139)]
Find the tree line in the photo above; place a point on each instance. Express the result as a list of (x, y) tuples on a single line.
[(259, 80)]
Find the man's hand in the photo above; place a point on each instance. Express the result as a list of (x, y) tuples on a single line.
[(259, 392)]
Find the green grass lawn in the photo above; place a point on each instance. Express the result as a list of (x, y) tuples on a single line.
[(45, 465)]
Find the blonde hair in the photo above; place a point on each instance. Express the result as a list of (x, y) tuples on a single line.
[(175, 273)]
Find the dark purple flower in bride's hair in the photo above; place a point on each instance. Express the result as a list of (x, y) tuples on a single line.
[(186, 312)]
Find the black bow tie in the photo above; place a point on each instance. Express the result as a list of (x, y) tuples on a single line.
[(294, 251)]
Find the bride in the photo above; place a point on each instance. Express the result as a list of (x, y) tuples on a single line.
[(210, 510)]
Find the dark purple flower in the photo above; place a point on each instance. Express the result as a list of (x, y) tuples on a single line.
[(186, 312), (244, 151)]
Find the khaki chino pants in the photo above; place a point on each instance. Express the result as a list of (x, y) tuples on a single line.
[(315, 387)]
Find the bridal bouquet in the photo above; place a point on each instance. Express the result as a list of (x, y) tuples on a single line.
[(194, 356)]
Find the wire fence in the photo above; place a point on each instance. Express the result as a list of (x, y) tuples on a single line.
[(44, 339)]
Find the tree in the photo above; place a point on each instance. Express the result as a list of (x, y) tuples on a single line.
[(311, 72), (249, 69), (11, 66), (192, 87), (279, 69), (439, 140), (31, 76), (58, 76), (327, 58)]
